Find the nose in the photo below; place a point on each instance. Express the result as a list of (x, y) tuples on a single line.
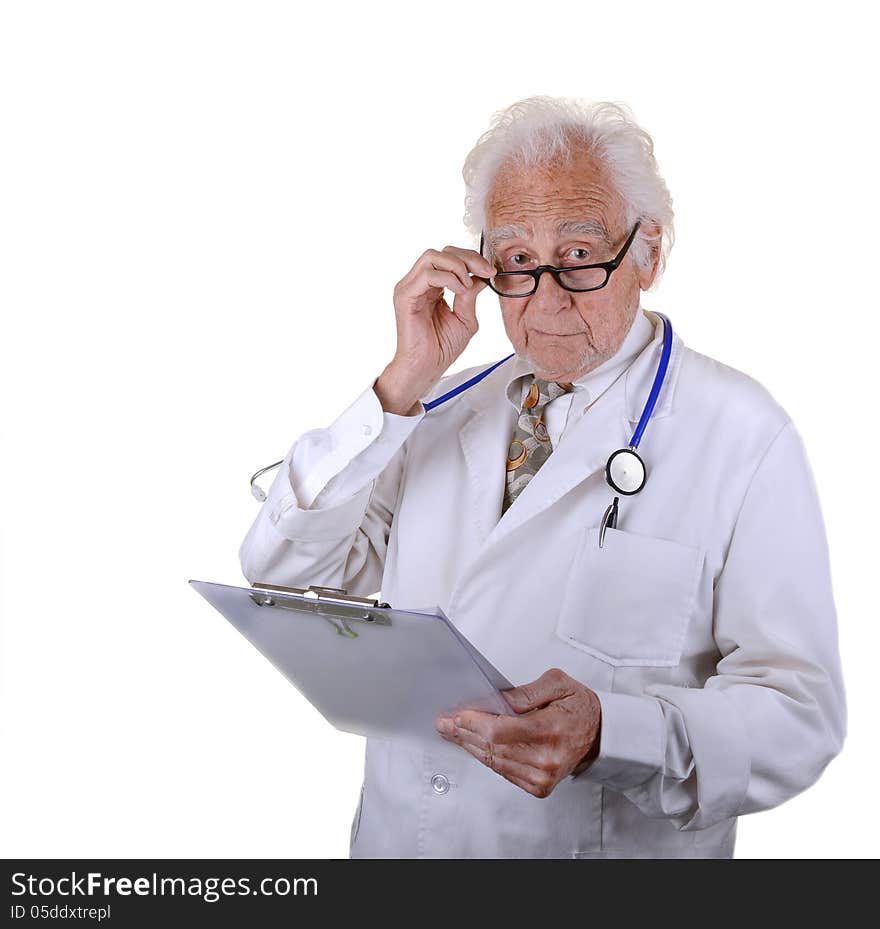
[(549, 296)]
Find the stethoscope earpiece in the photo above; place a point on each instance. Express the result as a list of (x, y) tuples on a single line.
[(257, 491)]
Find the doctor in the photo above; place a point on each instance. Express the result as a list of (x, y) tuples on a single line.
[(681, 675)]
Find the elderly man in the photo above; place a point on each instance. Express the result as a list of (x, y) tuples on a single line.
[(682, 674)]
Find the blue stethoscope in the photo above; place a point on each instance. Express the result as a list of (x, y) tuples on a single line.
[(625, 470)]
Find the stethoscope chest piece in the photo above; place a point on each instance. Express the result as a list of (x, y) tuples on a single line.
[(625, 471)]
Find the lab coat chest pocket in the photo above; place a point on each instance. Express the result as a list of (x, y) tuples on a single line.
[(629, 603)]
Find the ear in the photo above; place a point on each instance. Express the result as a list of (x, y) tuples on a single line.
[(653, 234)]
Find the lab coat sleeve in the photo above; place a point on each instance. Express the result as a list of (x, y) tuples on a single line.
[(766, 724), (327, 516)]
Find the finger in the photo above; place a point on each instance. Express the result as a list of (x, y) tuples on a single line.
[(444, 261), (534, 781), (464, 305), (444, 724), (475, 262), (530, 741), (551, 685), (497, 729), (534, 751), (446, 279), (534, 754), (463, 736), (454, 736)]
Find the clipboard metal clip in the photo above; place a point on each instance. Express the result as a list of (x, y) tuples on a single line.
[(327, 594), (332, 604)]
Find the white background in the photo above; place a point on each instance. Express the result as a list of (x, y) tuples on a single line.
[(181, 183)]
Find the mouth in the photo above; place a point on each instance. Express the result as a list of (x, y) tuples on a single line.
[(558, 335)]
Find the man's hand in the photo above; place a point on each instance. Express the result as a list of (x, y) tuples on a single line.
[(430, 335), (558, 731)]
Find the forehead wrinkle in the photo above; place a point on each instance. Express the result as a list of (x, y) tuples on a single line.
[(533, 196), (588, 207)]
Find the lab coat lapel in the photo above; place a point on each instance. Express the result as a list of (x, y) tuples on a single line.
[(607, 426), (484, 440)]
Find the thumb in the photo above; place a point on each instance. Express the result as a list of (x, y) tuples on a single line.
[(464, 304), (518, 699), (551, 685)]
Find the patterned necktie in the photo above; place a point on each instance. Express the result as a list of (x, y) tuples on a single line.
[(531, 445)]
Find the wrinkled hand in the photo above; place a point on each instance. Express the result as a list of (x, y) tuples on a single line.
[(430, 336), (557, 732)]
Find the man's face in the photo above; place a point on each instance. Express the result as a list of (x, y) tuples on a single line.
[(563, 334)]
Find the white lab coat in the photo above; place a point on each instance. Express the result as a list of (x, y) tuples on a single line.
[(706, 624)]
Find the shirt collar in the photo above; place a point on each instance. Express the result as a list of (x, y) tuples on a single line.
[(593, 384)]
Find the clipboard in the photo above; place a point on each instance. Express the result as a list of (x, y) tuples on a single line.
[(366, 667)]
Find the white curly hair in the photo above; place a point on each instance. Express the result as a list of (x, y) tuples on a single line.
[(534, 130)]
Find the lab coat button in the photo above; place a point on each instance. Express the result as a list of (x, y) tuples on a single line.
[(368, 430), (440, 783)]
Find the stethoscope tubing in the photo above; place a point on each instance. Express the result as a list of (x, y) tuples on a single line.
[(463, 387), (651, 402), (659, 378)]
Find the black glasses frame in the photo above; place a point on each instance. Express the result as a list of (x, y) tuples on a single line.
[(607, 266)]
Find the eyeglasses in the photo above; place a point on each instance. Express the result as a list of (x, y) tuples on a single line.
[(577, 278)]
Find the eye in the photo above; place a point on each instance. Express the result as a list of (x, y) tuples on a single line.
[(579, 255), (516, 262)]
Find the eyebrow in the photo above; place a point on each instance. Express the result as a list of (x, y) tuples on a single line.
[(587, 227)]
